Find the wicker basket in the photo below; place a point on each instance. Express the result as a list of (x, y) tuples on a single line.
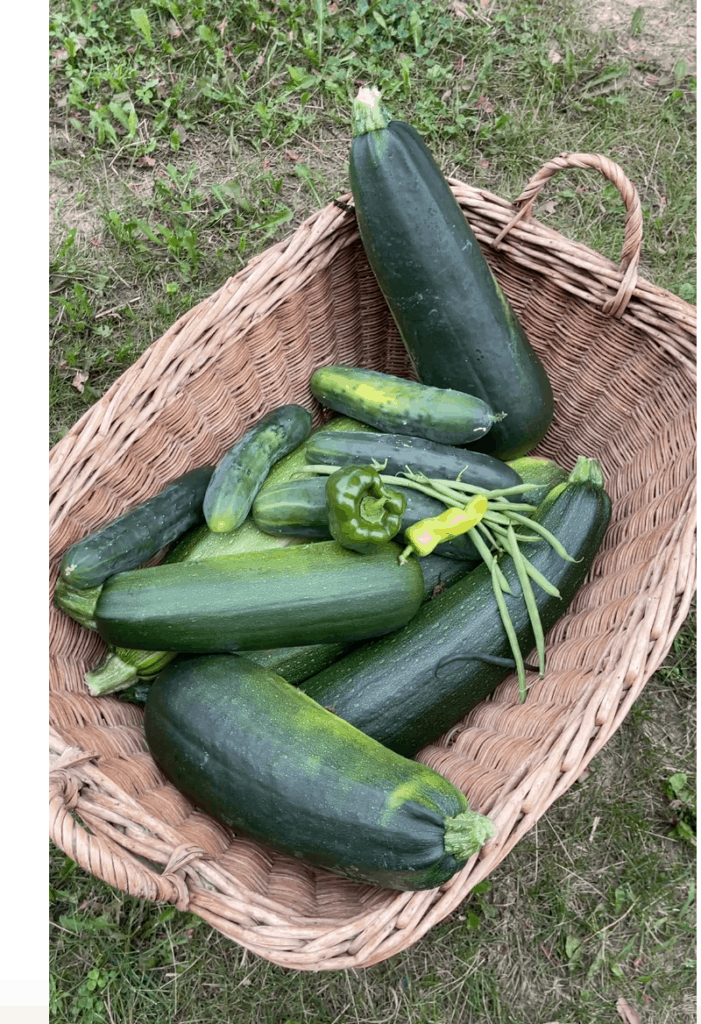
[(620, 355)]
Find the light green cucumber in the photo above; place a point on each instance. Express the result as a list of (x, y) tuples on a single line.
[(240, 473)]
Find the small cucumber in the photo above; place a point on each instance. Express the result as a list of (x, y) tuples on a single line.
[(139, 534), (294, 465), (296, 595), (399, 406), (263, 758), (240, 474)]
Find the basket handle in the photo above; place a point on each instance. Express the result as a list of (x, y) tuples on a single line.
[(633, 231)]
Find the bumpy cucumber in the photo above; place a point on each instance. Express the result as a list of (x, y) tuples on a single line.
[(300, 594), (441, 461), (263, 758), (294, 465), (241, 472), (139, 534), (400, 406)]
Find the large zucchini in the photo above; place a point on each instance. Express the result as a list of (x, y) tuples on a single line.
[(405, 690), (300, 594), (122, 665), (454, 319), (261, 757)]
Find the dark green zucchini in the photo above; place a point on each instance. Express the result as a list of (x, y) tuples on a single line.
[(400, 406), (139, 534), (300, 594), (542, 474), (261, 757), (297, 508), (454, 319), (240, 474), (405, 690), (441, 461)]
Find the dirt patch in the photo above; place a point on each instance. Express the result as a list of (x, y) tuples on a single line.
[(661, 32)]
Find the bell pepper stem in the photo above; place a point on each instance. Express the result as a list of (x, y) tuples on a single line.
[(371, 508)]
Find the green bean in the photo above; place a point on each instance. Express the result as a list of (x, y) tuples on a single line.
[(511, 634), (528, 597)]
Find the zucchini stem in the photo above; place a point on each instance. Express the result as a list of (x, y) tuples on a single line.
[(466, 834), (369, 114)]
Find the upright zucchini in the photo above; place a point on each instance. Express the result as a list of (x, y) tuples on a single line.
[(405, 690), (241, 472), (454, 319), (263, 758), (441, 461), (301, 594), (139, 534), (400, 406)]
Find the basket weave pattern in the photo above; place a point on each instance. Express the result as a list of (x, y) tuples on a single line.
[(620, 354)]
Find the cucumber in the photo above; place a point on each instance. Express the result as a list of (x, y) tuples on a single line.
[(440, 461), (294, 465), (455, 321), (262, 758), (297, 508), (139, 534), (122, 665), (300, 594), (400, 406), (293, 508), (405, 690), (239, 475)]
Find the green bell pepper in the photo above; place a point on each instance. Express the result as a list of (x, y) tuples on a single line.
[(364, 512)]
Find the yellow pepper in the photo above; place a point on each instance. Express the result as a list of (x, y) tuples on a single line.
[(425, 535)]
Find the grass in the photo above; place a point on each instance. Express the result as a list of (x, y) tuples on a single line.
[(185, 138)]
